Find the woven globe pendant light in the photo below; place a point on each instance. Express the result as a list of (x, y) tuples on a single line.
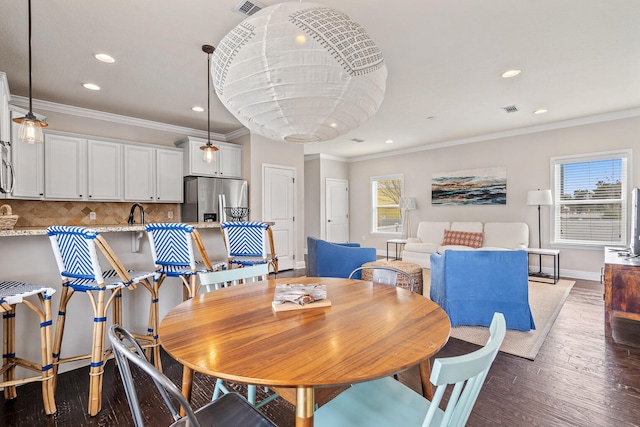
[(299, 72)]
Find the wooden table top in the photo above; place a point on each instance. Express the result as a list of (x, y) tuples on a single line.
[(369, 331)]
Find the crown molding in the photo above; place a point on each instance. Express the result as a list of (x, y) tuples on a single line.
[(325, 157), (22, 101), (581, 121)]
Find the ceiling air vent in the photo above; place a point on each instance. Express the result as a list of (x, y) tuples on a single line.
[(358, 140), (248, 8), (510, 108)]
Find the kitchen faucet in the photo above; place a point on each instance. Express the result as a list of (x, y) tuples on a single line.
[(133, 209)]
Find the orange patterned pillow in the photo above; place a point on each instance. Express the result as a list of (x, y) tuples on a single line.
[(463, 238)]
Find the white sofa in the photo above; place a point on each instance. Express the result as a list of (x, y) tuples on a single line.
[(496, 236)]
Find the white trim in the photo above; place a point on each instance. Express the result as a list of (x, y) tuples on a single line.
[(605, 117), (114, 118), (627, 154), (325, 157)]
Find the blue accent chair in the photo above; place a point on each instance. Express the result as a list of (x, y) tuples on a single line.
[(326, 259), (472, 285)]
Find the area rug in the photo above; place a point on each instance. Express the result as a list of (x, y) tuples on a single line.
[(546, 301)]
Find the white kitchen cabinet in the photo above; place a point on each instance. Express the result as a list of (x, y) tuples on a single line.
[(230, 161), (169, 186), (139, 173), (104, 170), (6, 172), (28, 165), (227, 163), (65, 168)]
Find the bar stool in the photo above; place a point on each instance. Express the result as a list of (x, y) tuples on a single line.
[(11, 294), (246, 244), (75, 252), (174, 256)]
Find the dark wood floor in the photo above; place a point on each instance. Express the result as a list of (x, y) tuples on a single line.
[(577, 379)]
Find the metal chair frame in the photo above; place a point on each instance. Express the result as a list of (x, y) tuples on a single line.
[(230, 410), (13, 293), (379, 276)]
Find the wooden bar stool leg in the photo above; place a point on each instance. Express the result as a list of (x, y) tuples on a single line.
[(67, 292), (97, 356), (9, 351), (48, 395)]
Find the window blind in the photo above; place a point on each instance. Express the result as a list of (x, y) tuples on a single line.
[(590, 194)]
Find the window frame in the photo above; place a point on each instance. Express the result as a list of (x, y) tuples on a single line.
[(374, 207), (555, 212)]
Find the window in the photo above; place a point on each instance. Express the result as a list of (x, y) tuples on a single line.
[(590, 194), (385, 196)]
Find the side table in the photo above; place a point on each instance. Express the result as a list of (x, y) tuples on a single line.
[(555, 253), (399, 244)]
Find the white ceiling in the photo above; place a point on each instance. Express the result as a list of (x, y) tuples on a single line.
[(444, 58)]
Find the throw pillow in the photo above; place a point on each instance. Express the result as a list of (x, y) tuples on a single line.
[(463, 238)]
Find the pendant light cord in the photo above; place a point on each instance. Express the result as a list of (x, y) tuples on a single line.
[(30, 96), (208, 99)]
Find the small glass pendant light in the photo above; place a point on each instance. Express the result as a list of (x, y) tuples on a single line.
[(208, 150), (30, 127)]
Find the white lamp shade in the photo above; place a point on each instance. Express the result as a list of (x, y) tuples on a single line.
[(408, 203), (539, 197), (299, 72)]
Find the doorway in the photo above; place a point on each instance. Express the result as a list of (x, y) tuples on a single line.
[(278, 206)]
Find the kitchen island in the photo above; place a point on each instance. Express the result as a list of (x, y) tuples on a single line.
[(26, 255)]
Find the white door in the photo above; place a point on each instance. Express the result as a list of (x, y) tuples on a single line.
[(169, 180), (278, 206), (337, 210), (138, 173), (104, 170)]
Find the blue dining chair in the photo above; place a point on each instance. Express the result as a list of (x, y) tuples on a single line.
[(249, 243), (386, 402), (76, 253), (174, 255)]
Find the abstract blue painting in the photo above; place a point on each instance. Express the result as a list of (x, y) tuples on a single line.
[(470, 187)]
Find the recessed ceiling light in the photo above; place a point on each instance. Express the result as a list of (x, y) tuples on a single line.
[(103, 57), (540, 111), (389, 141), (197, 109), (334, 125), (91, 86), (510, 73)]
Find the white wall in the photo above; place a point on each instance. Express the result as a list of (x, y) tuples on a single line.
[(317, 168), (266, 151), (527, 159)]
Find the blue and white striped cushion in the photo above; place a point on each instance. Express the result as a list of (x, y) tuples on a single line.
[(13, 292)]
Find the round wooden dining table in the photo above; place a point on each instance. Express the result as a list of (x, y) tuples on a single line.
[(369, 331)]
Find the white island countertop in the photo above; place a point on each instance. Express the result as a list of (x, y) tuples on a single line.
[(102, 228)]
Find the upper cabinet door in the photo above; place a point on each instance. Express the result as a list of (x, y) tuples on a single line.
[(64, 167), (104, 170), (168, 176), (139, 169), (28, 165), (227, 161), (230, 161)]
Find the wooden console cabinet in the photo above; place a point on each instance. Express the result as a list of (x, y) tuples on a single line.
[(621, 288)]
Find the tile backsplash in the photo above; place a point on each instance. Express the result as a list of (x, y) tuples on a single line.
[(37, 213)]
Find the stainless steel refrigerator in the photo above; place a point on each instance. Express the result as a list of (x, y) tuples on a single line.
[(205, 198)]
